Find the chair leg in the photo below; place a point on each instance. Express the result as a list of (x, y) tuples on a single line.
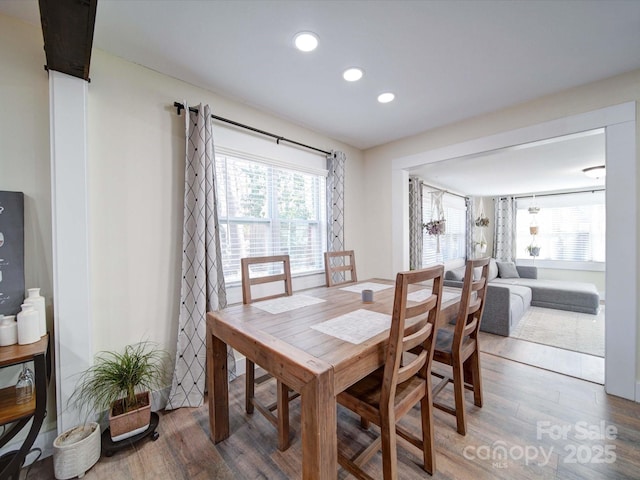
[(476, 375), (389, 446), (250, 386), (428, 447), (364, 423), (283, 416), (458, 390)]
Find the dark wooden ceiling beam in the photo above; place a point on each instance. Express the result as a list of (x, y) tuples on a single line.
[(67, 28)]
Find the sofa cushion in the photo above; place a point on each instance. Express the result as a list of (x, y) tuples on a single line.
[(507, 270), (456, 274), (559, 294)]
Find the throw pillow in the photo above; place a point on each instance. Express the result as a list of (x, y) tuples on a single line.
[(493, 270), (477, 272), (507, 270), (455, 274)]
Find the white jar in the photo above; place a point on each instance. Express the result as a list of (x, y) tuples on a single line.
[(28, 325), (37, 301), (8, 331)]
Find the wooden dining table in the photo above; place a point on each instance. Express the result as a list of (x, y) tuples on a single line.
[(316, 364)]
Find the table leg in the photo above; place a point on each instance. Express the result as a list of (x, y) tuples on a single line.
[(319, 436), (218, 386)]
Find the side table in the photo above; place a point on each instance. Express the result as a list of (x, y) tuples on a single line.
[(20, 415)]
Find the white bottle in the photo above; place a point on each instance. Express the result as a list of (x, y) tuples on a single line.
[(8, 331), (28, 325), (37, 301)]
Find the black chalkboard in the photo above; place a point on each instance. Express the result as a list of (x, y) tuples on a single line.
[(11, 252)]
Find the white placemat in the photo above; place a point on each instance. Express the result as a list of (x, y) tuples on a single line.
[(355, 327), (422, 295), (376, 287), (284, 304)]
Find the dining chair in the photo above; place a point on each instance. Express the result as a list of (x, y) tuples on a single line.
[(280, 283), (390, 392), (459, 348), (337, 265)]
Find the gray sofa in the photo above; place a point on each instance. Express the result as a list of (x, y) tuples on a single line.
[(512, 289)]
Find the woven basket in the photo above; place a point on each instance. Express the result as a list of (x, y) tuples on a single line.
[(76, 451)]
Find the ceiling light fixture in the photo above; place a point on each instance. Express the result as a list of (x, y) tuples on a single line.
[(386, 97), (352, 74), (595, 172), (305, 41)]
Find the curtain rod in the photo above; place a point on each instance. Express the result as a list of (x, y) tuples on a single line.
[(591, 190), (180, 107), (441, 190)]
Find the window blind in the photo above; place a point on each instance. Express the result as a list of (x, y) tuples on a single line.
[(266, 209), (571, 227), (452, 243)]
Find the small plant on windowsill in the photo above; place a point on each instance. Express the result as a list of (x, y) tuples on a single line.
[(435, 227)]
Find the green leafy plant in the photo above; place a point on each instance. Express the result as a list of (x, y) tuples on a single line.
[(114, 376)]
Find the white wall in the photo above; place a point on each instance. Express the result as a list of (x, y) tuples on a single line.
[(135, 157), (136, 149), (24, 158), (588, 98), (612, 91)]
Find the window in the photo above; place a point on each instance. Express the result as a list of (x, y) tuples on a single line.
[(452, 243), (267, 209), (571, 229)]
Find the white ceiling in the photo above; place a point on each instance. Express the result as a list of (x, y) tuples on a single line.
[(444, 60), (548, 166)]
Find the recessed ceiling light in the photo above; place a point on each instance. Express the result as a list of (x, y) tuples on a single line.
[(305, 41), (386, 97), (595, 172), (352, 74)]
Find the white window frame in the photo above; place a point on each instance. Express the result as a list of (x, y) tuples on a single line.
[(271, 218)]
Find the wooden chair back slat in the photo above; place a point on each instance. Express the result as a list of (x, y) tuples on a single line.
[(401, 314), (337, 265), (248, 281), (462, 352), (413, 330)]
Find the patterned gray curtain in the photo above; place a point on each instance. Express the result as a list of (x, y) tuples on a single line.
[(470, 225), (504, 243), (415, 223), (335, 201), (202, 287)]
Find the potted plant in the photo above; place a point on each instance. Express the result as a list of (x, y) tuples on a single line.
[(76, 451), (120, 383), (482, 221), (533, 250), (481, 246), (435, 227)]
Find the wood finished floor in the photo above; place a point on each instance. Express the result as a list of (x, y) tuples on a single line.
[(567, 362), (518, 401)]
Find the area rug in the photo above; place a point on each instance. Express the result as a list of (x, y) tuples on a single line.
[(580, 332)]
